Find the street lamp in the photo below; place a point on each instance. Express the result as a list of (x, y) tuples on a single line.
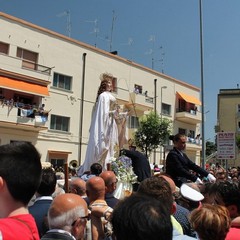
[(202, 84), (163, 87)]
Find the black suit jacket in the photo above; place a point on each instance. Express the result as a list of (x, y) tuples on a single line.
[(140, 164), (178, 166)]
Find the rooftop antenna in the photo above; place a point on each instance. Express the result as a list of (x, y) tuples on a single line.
[(95, 30), (129, 43), (69, 24), (111, 38), (162, 58), (152, 39)]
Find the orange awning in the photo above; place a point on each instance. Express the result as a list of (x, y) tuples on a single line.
[(189, 98), (22, 86)]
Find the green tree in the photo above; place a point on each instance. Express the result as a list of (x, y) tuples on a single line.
[(211, 147), (152, 132)]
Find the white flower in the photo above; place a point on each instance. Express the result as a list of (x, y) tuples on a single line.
[(122, 167)]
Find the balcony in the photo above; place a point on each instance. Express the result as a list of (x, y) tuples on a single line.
[(13, 64), (188, 116), (141, 102), (10, 119), (122, 96), (194, 143)]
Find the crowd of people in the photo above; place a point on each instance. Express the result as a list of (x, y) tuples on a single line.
[(88, 209)]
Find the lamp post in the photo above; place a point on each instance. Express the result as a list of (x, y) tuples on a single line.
[(155, 112), (163, 87), (202, 85)]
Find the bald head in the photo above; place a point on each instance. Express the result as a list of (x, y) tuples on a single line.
[(108, 177), (68, 212), (170, 181), (110, 180), (66, 202), (95, 188), (78, 186)]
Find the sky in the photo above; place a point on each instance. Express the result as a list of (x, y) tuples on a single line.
[(164, 30)]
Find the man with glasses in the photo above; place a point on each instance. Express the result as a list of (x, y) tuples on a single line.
[(67, 218)]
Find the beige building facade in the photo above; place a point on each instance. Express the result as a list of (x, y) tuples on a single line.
[(228, 119), (48, 87)]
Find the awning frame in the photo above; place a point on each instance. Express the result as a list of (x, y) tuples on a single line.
[(189, 98)]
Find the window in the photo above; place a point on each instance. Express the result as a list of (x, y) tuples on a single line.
[(191, 134), (29, 58), (138, 89), (1, 93), (238, 108), (56, 162), (114, 84), (166, 109), (59, 123), (15, 141), (133, 122), (4, 48), (182, 131), (238, 127), (62, 81)]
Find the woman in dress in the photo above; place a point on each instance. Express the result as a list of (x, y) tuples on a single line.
[(104, 134)]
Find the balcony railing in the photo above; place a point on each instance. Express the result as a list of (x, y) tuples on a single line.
[(36, 67), (141, 101), (196, 141), (22, 118), (188, 116), (20, 66)]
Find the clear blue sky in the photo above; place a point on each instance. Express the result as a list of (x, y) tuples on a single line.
[(174, 24)]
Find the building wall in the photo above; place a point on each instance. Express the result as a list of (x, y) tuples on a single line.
[(65, 56), (229, 116)]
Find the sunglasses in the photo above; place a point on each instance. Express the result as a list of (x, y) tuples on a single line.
[(85, 217)]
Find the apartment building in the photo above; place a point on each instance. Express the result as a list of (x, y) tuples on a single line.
[(228, 119), (49, 83)]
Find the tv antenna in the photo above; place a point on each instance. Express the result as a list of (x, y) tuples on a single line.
[(95, 30), (129, 43), (162, 58), (68, 22), (111, 38), (152, 39)]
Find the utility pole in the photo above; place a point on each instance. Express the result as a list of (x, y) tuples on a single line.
[(202, 86), (111, 39)]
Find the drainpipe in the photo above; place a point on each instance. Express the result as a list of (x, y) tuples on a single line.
[(81, 110)]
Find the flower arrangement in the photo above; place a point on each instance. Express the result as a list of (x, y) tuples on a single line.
[(122, 166)]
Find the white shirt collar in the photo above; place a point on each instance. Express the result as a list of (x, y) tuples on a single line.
[(43, 198)]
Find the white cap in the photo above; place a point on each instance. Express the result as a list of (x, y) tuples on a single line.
[(190, 193)]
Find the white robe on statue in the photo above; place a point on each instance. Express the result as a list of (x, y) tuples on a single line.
[(103, 133)]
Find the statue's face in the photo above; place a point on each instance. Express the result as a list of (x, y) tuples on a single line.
[(109, 86)]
